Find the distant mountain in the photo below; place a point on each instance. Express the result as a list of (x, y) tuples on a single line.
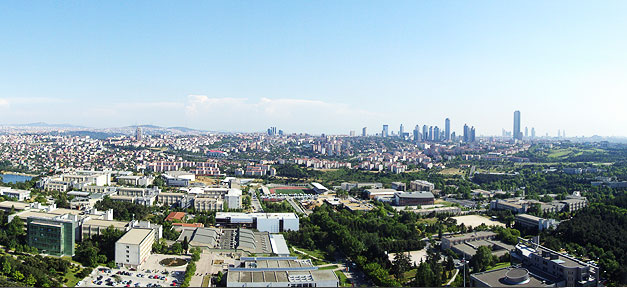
[(44, 124)]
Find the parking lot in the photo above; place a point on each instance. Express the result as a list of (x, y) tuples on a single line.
[(151, 274)]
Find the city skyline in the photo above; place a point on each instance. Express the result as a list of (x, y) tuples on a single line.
[(218, 65)]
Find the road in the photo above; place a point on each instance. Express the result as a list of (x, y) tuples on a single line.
[(452, 279), (203, 268), (295, 205)]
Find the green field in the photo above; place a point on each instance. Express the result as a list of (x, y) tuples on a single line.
[(343, 279), (499, 266), (570, 152), (291, 190)]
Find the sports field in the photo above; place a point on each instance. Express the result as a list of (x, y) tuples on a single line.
[(290, 190)]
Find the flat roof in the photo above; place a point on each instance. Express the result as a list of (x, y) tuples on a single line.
[(106, 223), (496, 278), (15, 204), (279, 246), (135, 236)]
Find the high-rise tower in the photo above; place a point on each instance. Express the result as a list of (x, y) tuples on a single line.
[(516, 134)]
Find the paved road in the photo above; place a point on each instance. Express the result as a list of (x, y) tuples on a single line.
[(295, 205), (203, 267), (452, 279)]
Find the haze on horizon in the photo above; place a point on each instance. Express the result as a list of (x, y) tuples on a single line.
[(317, 67)]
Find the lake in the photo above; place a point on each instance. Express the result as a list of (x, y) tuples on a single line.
[(11, 178)]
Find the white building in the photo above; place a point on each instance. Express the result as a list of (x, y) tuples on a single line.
[(132, 250), (178, 178), (233, 199), (264, 222), (20, 195)]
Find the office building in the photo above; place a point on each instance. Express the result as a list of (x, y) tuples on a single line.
[(436, 134), (526, 132), (364, 132), (53, 236), (347, 186), (447, 129), (425, 132), (516, 134), (385, 131), (19, 195), (467, 244), (560, 269), (472, 134), (138, 134), (268, 222), (132, 250), (279, 272), (533, 132), (421, 185), (416, 198), (536, 223), (400, 131), (466, 134)]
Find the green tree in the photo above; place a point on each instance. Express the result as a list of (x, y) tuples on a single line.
[(482, 259)]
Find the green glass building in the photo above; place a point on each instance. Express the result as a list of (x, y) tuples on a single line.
[(54, 236)]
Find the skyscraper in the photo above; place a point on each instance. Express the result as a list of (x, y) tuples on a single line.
[(425, 133), (526, 132), (363, 132), (466, 133), (430, 133), (400, 131), (385, 131), (417, 133), (138, 134), (447, 129), (472, 134), (436, 134), (516, 134), (352, 133), (533, 132)]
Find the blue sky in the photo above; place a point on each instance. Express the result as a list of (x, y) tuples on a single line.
[(317, 66)]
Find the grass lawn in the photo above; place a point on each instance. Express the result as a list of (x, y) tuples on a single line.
[(71, 279), (330, 267), (428, 220), (452, 171), (410, 274), (343, 279), (288, 191), (499, 266), (205, 281), (315, 253)]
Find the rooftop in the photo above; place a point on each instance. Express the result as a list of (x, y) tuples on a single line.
[(135, 236)]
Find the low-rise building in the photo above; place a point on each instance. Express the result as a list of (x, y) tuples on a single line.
[(347, 186), (19, 195), (421, 185), (53, 235), (268, 222), (533, 222), (279, 272), (413, 198), (132, 250)]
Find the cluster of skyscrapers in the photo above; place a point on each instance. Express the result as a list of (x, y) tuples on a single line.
[(273, 132), (430, 133)]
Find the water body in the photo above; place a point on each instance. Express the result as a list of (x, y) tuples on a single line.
[(11, 178)]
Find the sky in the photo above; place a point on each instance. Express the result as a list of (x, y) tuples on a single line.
[(317, 66)]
